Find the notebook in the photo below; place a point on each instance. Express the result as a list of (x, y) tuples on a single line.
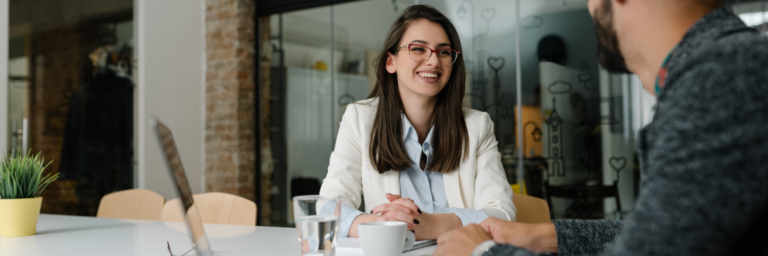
[(352, 245)]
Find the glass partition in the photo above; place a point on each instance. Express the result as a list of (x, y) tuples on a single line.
[(578, 128), (301, 107)]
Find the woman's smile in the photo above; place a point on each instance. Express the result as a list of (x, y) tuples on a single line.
[(430, 77)]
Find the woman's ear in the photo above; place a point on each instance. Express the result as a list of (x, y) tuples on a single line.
[(391, 67)]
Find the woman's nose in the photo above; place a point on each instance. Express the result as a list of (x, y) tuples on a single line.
[(432, 60)]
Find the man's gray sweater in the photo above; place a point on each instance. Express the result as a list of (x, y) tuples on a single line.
[(704, 158)]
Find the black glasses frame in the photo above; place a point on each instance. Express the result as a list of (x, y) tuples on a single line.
[(169, 249)]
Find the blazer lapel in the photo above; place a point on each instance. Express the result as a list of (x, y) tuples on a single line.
[(453, 189), (391, 183)]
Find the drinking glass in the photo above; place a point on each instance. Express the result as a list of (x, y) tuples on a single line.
[(317, 221)]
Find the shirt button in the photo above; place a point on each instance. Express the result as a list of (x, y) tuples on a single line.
[(428, 203)]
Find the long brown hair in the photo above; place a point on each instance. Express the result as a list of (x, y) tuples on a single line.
[(450, 134)]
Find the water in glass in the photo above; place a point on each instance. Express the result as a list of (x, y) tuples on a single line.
[(318, 235), (317, 220)]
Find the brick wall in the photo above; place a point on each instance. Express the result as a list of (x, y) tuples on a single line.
[(266, 149), (230, 127)]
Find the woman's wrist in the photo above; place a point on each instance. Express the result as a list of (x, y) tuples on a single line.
[(437, 224), (362, 218), (448, 222)]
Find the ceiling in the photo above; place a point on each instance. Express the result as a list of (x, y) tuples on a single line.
[(48, 14)]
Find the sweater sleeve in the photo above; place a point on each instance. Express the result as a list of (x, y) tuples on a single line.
[(574, 237), (508, 250), (585, 237)]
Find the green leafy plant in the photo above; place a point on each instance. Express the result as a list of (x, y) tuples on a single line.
[(21, 175)]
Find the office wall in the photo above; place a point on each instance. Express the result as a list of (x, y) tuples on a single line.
[(170, 80)]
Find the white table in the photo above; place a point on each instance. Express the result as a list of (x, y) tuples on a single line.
[(86, 236)]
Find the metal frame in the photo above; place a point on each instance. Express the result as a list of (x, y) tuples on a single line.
[(4, 14)]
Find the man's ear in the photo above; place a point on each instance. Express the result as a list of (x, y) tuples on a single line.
[(391, 67)]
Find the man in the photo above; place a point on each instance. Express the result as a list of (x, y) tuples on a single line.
[(704, 158)]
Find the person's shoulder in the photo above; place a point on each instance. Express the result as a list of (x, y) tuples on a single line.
[(369, 102), (477, 121), (744, 51), (361, 112), (473, 116), (744, 38), (732, 63), (365, 107), (718, 83)]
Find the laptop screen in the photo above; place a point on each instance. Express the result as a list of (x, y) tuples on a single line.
[(192, 217)]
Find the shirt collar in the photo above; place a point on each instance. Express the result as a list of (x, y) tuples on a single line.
[(408, 130), (407, 126)]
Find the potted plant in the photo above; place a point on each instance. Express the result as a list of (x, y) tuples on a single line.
[(21, 182)]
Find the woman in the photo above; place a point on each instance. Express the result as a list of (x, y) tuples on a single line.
[(411, 149)]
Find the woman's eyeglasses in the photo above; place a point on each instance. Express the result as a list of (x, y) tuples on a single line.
[(169, 249), (421, 53)]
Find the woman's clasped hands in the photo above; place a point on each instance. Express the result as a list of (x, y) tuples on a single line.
[(424, 225), (399, 209)]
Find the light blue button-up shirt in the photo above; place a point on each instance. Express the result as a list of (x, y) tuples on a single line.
[(425, 188)]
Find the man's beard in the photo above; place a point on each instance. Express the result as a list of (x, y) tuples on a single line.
[(608, 52)]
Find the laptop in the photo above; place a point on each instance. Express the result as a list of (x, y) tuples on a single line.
[(191, 216)]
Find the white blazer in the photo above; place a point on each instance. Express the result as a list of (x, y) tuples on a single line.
[(480, 182)]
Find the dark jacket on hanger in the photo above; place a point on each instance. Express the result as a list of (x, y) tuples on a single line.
[(98, 139)]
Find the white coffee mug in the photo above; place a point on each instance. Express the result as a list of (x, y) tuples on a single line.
[(385, 238)]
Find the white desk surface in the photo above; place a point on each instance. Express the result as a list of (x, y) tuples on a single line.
[(85, 236)]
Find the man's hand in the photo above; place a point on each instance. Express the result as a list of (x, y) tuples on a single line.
[(538, 238), (461, 242), (506, 232)]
